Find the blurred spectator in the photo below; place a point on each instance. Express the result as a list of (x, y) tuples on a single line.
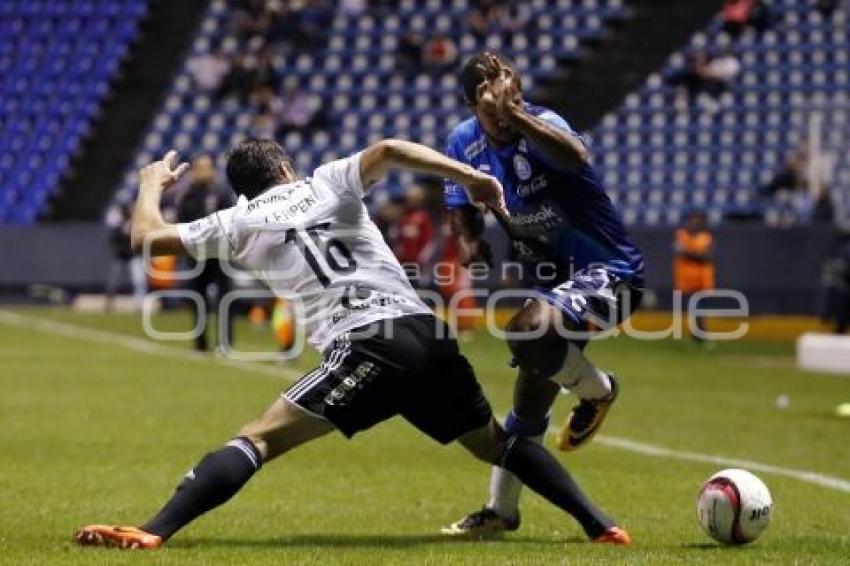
[(485, 18), (740, 14), (703, 74), (823, 209), (298, 110), (409, 53), (514, 18), (835, 308), (791, 177), (416, 235), (826, 7), (454, 283), (312, 19), (263, 74), (250, 18), (250, 73), (352, 7), (386, 219), (123, 259), (693, 267), (804, 181), (238, 79), (282, 27), (264, 125), (208, 71), (439, 53), (268, 111), (204, 195)]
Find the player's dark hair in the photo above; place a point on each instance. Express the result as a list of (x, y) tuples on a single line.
[(472, 74), (254, 166)]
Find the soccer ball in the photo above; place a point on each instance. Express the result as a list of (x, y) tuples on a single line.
[(734, 506)]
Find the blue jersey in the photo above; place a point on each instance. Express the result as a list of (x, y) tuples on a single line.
[(560, 215)]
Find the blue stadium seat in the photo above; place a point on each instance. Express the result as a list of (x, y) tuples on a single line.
[(57, 59)]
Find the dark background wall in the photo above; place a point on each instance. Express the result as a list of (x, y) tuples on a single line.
[(778, 269)]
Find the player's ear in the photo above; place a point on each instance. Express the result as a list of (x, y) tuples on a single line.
[(287, 170)]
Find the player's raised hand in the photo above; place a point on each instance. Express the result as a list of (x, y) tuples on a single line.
[(499, 95), (163, 173), (486, 191)]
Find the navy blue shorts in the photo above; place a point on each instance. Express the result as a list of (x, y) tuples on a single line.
[(595, 296)]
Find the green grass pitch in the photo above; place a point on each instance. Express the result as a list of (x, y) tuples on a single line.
[(92, 431)]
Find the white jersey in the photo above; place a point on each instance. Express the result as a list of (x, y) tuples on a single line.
[(312, 242)]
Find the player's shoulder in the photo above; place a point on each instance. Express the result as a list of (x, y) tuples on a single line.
[(466, 130), (467, 140)]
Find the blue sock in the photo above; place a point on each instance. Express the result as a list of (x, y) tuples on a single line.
[(516, 426)]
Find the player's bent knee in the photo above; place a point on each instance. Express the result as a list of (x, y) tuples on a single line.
[(522, 331), (535, 343)]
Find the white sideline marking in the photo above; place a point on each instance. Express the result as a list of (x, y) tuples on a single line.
[(822, 480), (147, 347), (137, 344)]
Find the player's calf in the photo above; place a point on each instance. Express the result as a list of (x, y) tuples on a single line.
[(540, 471), (549, 355), (216, 478)]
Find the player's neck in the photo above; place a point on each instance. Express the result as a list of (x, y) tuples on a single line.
[(501, 144)]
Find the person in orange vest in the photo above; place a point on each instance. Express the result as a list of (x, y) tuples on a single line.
[(693, 266)]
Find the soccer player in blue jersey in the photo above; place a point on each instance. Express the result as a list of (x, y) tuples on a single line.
[(587, 273)]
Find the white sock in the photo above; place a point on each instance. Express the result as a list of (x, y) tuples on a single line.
[(505, 489), (582, 377)]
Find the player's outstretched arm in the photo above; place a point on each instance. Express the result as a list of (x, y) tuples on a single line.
[(380, 158), (149, 229)]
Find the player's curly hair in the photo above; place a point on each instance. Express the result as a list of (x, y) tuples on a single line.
[(472, 74), (254, 166)]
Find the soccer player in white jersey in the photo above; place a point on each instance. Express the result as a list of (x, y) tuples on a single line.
[(384, 353)]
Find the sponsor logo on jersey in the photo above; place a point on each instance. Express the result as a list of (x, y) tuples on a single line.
[(270, 199), (538, 183), (544, 216), (475, 148), (522, 167)]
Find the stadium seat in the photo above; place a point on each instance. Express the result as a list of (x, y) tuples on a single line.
[(79, 45)]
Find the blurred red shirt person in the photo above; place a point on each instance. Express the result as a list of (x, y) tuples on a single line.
[(415, 232)]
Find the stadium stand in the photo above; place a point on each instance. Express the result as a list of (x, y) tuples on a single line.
[(660, 159), (57, 59), (355, 74)]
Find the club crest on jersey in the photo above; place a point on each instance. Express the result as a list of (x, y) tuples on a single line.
[(522, 167)]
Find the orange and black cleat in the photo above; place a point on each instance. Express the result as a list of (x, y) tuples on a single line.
[(585, 420), (614, 535), (117, 537)]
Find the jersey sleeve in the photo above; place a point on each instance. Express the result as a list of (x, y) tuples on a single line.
[(454, 195), (554, 119), (213, 236), (343, 175)]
